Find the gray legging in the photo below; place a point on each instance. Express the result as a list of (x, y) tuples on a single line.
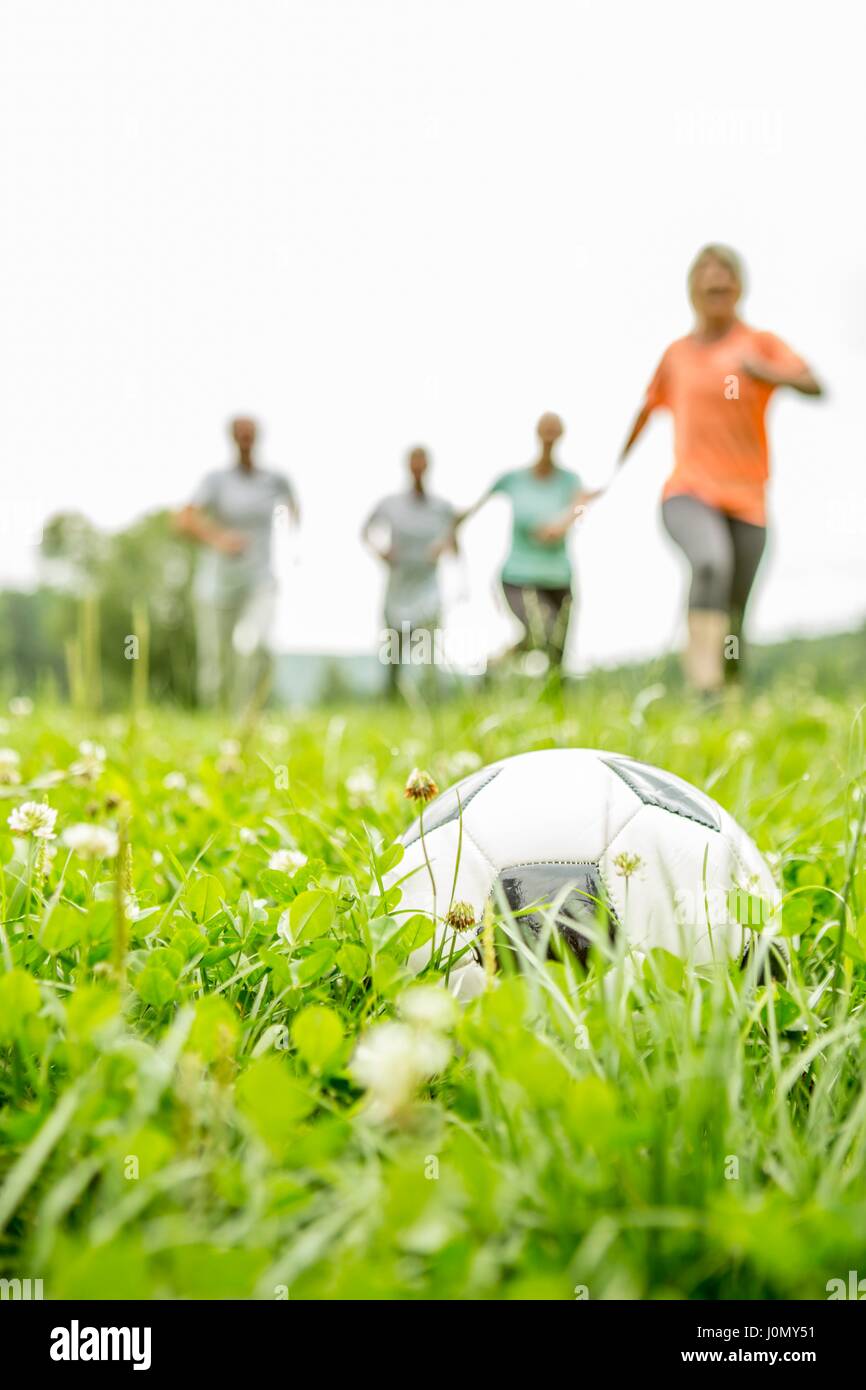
[(545, 615), (724, 554)]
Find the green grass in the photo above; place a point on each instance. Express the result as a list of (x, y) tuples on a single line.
[(180, 1118)]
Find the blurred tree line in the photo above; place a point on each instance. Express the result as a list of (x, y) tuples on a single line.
[(111, 618), (111, 623)]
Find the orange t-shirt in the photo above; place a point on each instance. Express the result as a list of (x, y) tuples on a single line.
[(720, 437)]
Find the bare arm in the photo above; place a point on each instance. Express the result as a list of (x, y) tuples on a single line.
[(287, 508), (656, 395), (380, 552), (803, 381), (195, 523), (462, 517), (635, 432), (555, 530)]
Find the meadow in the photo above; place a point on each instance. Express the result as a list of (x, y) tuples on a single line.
[(218, 1080)]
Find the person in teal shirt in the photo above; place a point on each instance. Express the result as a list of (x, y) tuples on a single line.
[(545, 500)]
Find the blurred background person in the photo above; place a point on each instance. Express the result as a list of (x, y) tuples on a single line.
[(546, 500), (717, 382), (410, 531), (231, 515)]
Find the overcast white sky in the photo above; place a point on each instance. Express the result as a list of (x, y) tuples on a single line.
[(371, 222)]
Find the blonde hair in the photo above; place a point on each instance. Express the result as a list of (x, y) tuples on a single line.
[(725, 255)]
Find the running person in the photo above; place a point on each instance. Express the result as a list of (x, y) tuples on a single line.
[(414, 529), (546, 500), (717, 382), (231, 515)]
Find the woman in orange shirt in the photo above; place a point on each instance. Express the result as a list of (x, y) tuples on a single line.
[(717, 382)]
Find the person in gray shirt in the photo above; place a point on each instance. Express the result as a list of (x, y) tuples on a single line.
[(410, 531), (231, 515)]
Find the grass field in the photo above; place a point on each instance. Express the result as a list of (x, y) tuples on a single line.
[(181, 1107)]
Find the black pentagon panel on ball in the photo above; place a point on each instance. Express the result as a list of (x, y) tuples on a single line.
[(583, 905), (452, 803), (666, 790)]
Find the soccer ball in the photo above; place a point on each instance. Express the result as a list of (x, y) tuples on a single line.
[(595, 842)]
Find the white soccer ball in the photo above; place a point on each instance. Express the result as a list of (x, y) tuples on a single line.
[(596, 842)]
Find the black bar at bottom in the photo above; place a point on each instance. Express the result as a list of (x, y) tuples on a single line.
[(222, 1337)]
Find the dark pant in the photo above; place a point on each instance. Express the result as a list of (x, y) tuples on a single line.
[(545, 615), (724, 555), (405, 652)]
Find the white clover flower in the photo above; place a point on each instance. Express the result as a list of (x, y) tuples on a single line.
[(10, 775), (91, 841), (420, 786), (627, 864), (361, 784), (740, 741), (460, 916), (91, 763), (287, 861), (174, 782), (229, 761), (428, 1007), (392, 1061), (33, 818), (21, 706), (197, 795), (247, 836), (228, 765), (88, 749)]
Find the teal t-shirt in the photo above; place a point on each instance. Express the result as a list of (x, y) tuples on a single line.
[(536, 502)]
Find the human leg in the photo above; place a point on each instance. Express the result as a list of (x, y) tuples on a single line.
[(214, 624), (704, 537), (515, 597), (560, 604), (250, 651), (545, 615), (749, 542)]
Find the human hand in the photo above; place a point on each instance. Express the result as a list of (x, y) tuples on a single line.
[(230, 542), (549, 534), (759, 371)]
